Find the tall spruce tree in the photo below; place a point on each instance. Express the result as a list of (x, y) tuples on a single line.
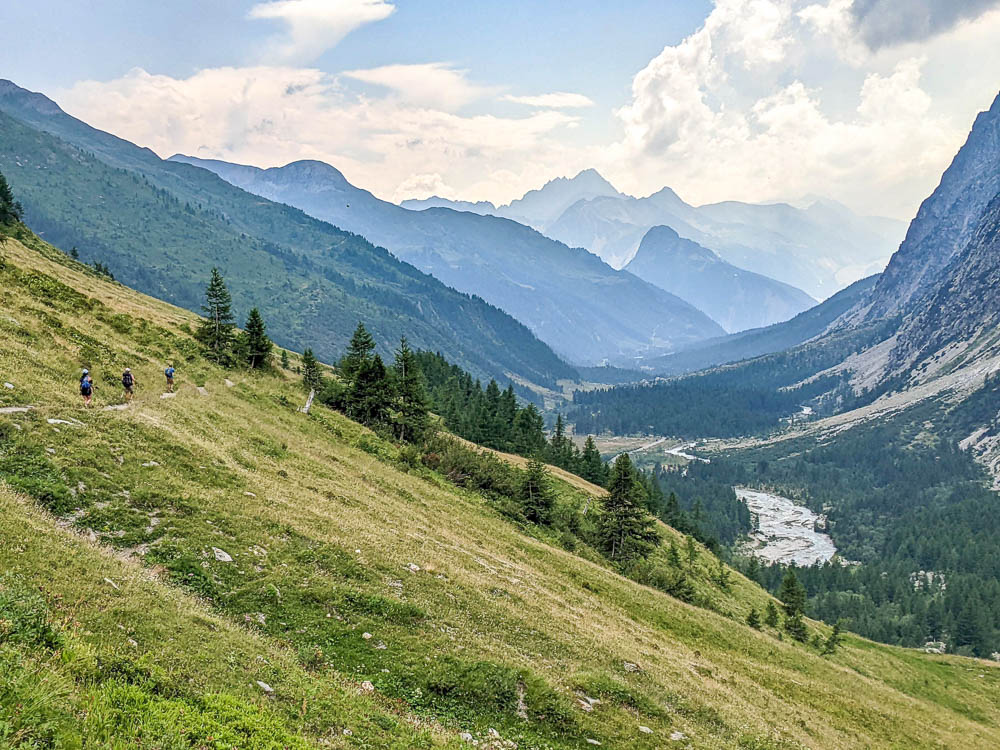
[(312, 376), (369, 396), (216, 330), (256, 343), (792, 594), (771, 615), (10, 209), (536, 494), (284, 359), (592, 466), (359, 352), (410, 409), (626, 530)]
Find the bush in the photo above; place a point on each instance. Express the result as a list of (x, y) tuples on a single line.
[(24, 615)]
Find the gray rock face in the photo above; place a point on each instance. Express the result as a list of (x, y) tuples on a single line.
[(945, 222), (734, 298)]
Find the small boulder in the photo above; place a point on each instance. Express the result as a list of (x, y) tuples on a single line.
[(366, 636), (9, 386), (678, 736), (150, 464), (465, 737), (367, 687), (645, 730), (631, 666), (593, 742), (413, 567), (221, 555), (265, 687)]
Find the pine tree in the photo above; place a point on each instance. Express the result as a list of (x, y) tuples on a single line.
[(833, 640), (591, 465), (673, 556), (692, 550), (753, 619), (312, 376), (258, 345), (284, 359), (411, 411), (627, 531), (771, 615), (369, 395), (796, 627), (359, 352), (74, 253), (10, 209), (216, 330), (792, 594), (536, 494)]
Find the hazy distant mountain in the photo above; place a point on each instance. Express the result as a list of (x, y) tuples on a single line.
[(757, 341), (733, 298), (819, 249), (568, 297), (479, 207), (539, 208)]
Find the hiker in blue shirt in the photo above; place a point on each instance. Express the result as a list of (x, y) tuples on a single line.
[(169, 372), (86, 387)]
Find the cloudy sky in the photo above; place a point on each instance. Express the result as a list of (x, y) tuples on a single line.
[(864, 101)]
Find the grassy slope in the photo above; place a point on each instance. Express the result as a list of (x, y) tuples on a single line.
[(492, 613)]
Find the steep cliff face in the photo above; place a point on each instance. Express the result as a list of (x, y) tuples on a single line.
[(945, 222), (964, 303)]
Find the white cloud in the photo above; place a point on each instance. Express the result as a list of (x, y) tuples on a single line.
[(273, 115), (555, 100), (426, 84), (771, 99), (313, 26)]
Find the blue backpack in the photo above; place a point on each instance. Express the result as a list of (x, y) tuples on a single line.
[(85, 387)]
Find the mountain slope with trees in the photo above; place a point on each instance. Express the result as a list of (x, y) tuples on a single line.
[(161, 226), (581, 307), (318, 584)]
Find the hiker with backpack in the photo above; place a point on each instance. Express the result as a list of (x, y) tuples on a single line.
[(128, 383), (169, 372), (86, 387)]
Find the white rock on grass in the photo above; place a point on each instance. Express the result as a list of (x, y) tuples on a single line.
[(465, 737), (150, 464), (221, 555), (265, 687), (593, 742), (367, 687), (645, 730), (366, 636), (678, 736), (15, 409), (229, 383), (9, 386)]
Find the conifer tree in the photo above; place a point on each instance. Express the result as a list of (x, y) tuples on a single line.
[(771, 615), (258, 345), (833, 640), (692, 551), (359, 352), (284, 359), (796, 627), (411, 411), (626, 529), (10, 209), (369, 395), (673, 556), (591, 465), (536, 494), (312, 376), (753, 619), (216, 330), (792, 594)]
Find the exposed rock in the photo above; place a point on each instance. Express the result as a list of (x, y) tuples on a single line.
[(367, 687), (593, 742), (265, 687), (678, 736), (645, 730), (9, 386), (413, 568), (366, 636), (221, 555), (229, 383), (250, 494), (631, 666), (465, 737), (111, 583), (74, 423), (15, 409), (168, 395), (150, 464)]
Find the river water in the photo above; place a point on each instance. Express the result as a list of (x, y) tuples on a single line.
[(786, 531)]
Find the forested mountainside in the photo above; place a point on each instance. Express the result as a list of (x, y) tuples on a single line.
[(758, 341), (584, 309), (733, 298), (161, 226), (323, 585)]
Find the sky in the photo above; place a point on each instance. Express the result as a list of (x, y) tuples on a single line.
[(862, 101)]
